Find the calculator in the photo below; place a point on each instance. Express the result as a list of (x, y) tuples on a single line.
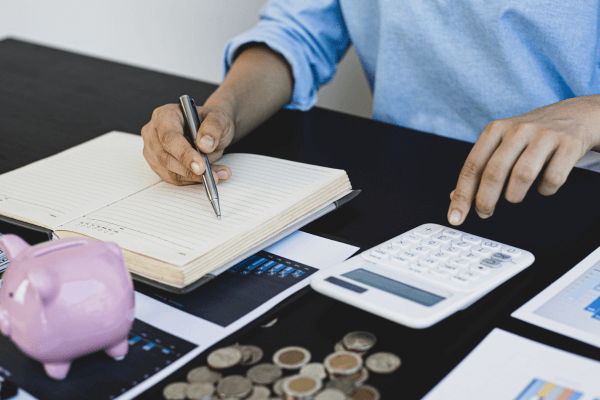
[(422, 276)]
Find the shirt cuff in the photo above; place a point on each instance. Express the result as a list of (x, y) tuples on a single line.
[(304, 94)]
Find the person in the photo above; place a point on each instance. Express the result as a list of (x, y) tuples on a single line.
[(519, 79)]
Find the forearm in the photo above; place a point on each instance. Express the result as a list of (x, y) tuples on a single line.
[(258, 84)]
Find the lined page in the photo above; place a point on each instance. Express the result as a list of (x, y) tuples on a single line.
[(177, 224), (60, 188)]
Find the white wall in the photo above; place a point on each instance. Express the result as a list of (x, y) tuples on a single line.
[(181, 37)]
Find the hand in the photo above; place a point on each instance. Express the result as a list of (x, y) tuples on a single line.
[(170, 155), (557, 136)]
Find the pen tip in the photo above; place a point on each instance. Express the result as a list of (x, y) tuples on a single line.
[(218, 216)]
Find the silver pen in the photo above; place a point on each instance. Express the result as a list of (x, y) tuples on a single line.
[(190, 112)]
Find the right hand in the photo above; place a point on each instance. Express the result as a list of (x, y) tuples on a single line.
[(170, 155)]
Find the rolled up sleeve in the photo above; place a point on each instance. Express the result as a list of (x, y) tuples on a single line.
[(309, 34)]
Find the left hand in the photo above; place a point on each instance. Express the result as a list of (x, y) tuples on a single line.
[(557, 136)]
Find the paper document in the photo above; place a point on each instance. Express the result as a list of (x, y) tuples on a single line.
[(505, 366), (171, 329), (571, 305)]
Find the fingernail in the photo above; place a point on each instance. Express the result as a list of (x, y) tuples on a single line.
[(207, 141), (454, 217), (196, 168), (222, 174), (482, 215)]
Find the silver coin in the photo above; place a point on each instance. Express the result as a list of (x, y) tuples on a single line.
[(176, 391), (359, 341), (383, 363), (259, 392), (264, 374), (225, 357), (278, 387), (203, 374), (343, 363), (246, 354), (256, 355), (200, 391), (339, 346), (234, 386), (343, 384), (362, 377), (331, 394), (314, 369), (301, 386), (269, 324), (366, 392), (292, 357)]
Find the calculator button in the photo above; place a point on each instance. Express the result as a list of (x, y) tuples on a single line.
[(428, 230), (440, 256), (511, 251), (402, 244), (448, 268), (420, 250), (470, 275), (389, 249), (410, 255), (482, 269), (445, 239), (501, 257), (482, 251), (431, 243), (488, 244), (412, 238), (439, 274), (459, 263), (428, 262), (379, 253), (463, 246), (451, 250), (376, 258), (488, 262), (415, 269), (399, 260), (460, 280), (453, 233), (471, 239), (472, 257)]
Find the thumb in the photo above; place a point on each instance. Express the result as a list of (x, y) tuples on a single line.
[(212, 129)]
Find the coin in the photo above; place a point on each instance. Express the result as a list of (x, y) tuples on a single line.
[(365, 392), (343, 384), (264, 374), (234, 386), (331, 394), (225, 357), (314, 369), (269, 324), (246, 354), (359, 341), (301, 386), (256, 354), (200, 391), (277, 387), (292, 357), (383, 363), (203, 374), (339, 346), (343, 363), (259, 392), (176, 391)]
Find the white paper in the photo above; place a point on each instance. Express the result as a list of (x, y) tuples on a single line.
[(505, 366), (571, 305), (324, 253)]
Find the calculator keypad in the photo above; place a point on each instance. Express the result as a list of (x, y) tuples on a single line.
[(445, 256)]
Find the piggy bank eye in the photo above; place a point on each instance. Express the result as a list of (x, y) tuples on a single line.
[(10, 295)]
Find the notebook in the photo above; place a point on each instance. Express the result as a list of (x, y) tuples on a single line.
[(104, 189)]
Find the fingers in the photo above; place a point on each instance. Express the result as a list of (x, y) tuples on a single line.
[(214, 126), (568, 153), (470, 174)]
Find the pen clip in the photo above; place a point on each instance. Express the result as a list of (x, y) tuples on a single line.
[(195, 113)]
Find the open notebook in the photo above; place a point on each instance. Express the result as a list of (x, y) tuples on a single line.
[(104, 189)]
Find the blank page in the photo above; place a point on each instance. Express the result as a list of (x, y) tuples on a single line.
[(176, 224), (84, 178)]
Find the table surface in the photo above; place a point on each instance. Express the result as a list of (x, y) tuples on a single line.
[(51, 100)]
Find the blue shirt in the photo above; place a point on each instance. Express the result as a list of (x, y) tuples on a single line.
[(440, 66)]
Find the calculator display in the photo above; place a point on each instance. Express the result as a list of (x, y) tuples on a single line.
[(394, 287)]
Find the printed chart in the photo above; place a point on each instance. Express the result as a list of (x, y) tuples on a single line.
[(539, 389)]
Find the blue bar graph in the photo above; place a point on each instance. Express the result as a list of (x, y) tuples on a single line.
[(265, 267), (594, 306), (241, 265), (298, 274), (276, 269), (287, 271), (254, 265)]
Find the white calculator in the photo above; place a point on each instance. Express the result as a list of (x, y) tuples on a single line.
[(422, 276)]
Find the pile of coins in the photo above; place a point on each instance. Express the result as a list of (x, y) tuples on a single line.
[(341, 376)]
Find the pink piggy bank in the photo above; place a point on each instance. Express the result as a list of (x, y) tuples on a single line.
[(66, 298)]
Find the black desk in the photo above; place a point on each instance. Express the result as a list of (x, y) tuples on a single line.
[(51, 100)]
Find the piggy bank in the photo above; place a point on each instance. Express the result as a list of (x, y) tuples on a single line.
[(66, 298)]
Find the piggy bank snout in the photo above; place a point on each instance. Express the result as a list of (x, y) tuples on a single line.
[(4, 323)]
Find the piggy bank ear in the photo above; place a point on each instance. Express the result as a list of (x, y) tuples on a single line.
[(45, 283), (13, 245), (114, 248)]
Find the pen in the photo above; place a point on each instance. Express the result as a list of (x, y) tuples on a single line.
[(192, 118)]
